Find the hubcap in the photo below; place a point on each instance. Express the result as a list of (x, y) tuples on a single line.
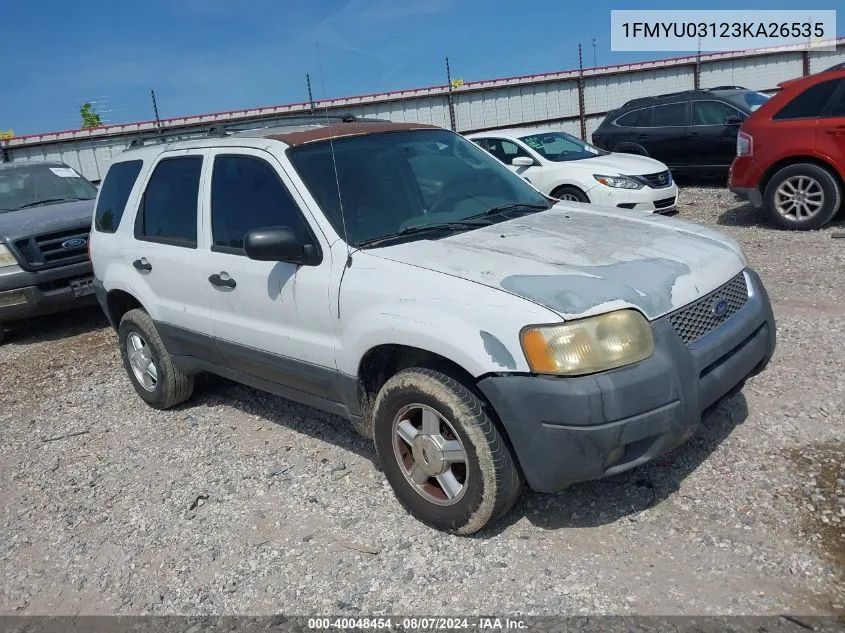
[(799, 198), (569, 196), (430, 454), (141, 361)]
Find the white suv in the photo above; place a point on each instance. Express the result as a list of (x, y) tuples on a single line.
[(402, 278)]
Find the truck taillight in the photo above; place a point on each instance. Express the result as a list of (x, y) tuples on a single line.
[(744, 144)]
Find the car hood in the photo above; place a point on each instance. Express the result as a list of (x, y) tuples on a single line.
[(615, 164), (46, 219), (579, 260)]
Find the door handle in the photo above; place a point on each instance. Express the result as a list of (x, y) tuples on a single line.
[(217, 280), (642, 136), (839, 130), (142, 265), (694, 134)]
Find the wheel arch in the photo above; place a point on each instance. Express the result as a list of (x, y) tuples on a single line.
[(795, 160), (382, 362), (118, 303)]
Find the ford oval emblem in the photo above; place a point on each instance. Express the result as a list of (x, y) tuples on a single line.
[(77, 242), (720, 307)]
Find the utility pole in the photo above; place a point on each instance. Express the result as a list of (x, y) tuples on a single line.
[(697, 73), (594, 54), (581, 113), (155, 110), (310, 97), (449, 95)]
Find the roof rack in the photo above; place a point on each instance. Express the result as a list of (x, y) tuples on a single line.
[(726, 88), (219, 130)]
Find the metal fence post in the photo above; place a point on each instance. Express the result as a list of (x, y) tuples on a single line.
[(581, 110)]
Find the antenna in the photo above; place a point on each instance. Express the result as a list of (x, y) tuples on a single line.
[(334, 161)]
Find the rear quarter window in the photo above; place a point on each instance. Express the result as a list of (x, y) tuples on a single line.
[(811, 103), (114, 194)]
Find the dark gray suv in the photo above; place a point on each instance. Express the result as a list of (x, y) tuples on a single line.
[(691, 132), (45, 216)]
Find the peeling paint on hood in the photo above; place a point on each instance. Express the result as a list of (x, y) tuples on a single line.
[(580, 260)]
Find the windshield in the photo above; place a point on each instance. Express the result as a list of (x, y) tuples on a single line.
[(560, 147), (748, 101), (34, 185), (397, 180)]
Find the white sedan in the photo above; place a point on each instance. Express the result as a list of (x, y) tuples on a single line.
[(564, 167)]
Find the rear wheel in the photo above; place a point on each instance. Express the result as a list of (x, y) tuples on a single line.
[(149, 365), (802, 196), (444, 457), (570, 193)]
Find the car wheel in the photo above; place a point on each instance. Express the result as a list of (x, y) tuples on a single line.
[(802, 196), (149, 365), (441, 452), (570, 193)]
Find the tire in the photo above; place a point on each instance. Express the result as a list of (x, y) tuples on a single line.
[(489, 478), (169, 386), (818, 183), (568, 192)]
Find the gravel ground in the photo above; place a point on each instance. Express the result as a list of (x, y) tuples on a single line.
[(242, 502)]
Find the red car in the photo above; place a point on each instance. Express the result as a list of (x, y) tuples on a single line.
[(791, 152)]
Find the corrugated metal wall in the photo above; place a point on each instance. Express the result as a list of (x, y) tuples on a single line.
[(549, 100)]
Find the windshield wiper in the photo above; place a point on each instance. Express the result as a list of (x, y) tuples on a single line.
[(422, 228), (507, 207), (48, 201)]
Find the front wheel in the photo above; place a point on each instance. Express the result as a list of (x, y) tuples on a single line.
[(570, 193), (802, 196), (444, 457)]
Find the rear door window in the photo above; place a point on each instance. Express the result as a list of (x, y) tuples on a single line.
[(247, 194), (669, 115), (114, 194), (168, 210), (636, 118), (811, 103)]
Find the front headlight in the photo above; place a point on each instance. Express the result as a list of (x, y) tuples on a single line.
[(618, 182), (6, 257), (588, 345)]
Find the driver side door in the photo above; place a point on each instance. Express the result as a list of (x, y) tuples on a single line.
[(271, 320)]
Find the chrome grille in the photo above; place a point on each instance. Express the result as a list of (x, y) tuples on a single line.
[(699, 318), (54, 249), (659, 180)]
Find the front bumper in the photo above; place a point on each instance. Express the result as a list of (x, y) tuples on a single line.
[(24, 294), (664, 200), (566, 430)]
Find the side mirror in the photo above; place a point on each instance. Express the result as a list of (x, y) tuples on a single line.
[(280, 244), (522, 161), (733, 120)]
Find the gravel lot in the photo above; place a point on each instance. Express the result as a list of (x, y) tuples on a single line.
[(242, 502)]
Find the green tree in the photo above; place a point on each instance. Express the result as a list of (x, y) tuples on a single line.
[(90, 118)]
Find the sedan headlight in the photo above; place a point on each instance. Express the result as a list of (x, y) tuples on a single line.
[(588, 345), (618, 182), (6, 257)]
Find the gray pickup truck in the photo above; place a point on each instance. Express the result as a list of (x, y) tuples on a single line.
[(45, 216)]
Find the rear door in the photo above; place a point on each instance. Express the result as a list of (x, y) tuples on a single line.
[(712, 141), (164, 255), (271, 320), (666, 137), (830, 130)]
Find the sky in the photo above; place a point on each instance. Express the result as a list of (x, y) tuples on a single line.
[(215, 55)]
